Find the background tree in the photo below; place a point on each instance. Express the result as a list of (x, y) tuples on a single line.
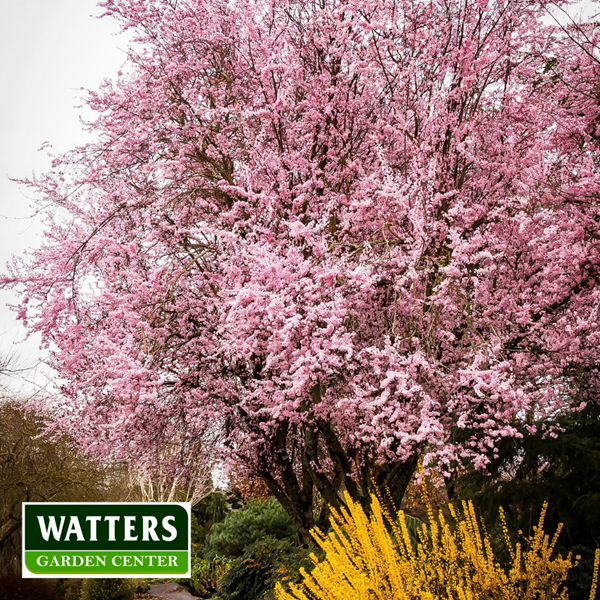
[(175, 469), (336, 235), (36, 467)]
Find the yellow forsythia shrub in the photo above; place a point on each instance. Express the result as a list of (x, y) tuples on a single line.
[(372, 558)]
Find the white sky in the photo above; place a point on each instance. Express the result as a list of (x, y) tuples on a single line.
[(49, 49)]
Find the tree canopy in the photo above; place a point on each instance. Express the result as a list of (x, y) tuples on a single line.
[(336, 235), (36, 467)]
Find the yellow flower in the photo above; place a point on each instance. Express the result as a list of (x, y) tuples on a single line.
[(373, 558)]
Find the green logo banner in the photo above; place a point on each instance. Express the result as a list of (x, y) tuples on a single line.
[(106, 539)]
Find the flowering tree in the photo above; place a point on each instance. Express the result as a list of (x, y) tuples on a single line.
[(339, 235)]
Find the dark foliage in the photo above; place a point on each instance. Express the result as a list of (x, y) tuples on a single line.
[(564, 470), (210, 510), (69, 589), (253, 575), (559, 463), (579, 581)]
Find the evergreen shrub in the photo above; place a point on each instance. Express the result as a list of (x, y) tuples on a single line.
[(523, 471), (241, 528)]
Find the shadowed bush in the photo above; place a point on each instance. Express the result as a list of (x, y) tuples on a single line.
[(107, 589), (265, 563), (12, 587)]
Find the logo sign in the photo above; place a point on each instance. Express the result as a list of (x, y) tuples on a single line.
[(106, 539)]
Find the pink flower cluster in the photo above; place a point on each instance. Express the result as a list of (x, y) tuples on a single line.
[(374, 221)]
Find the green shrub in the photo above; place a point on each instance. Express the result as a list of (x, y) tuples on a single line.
[(206, 575), (141, 586), (107, 589), (241, 528)]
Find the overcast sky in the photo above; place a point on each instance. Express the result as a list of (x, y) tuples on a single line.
[(49, 50)]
